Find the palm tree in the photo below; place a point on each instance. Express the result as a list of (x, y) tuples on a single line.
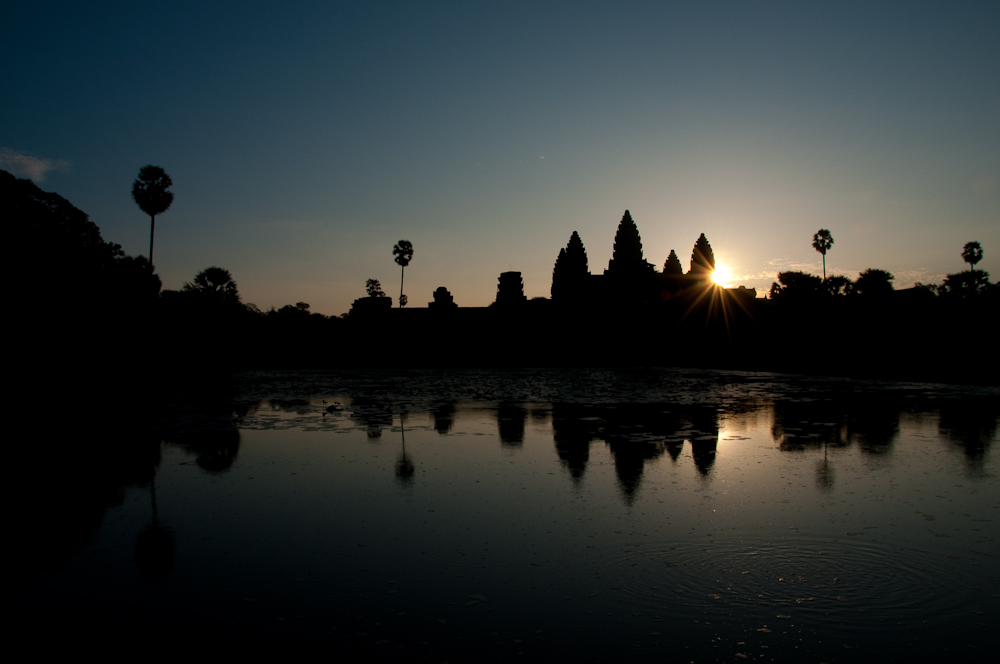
[(149, 191), (214, 282), (972, 253), (404, 254), (822, 241)]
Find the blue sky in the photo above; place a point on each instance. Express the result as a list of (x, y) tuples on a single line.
[(305, 139)]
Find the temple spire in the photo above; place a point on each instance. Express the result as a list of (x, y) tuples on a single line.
[(627, 259)]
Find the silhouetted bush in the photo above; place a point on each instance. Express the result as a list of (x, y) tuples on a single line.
[(796, 286), (965, 285), (874, 283)]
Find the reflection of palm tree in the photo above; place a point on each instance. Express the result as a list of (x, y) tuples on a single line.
[(154, 547), (404, 254), (404, 465), (824, 473), (822, 241), (149, 191)]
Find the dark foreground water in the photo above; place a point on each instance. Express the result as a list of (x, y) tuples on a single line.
[(599, 515)]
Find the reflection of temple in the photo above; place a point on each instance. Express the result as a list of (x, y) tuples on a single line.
[(572, 436), (635, 434), (630, 459), (510, 422)]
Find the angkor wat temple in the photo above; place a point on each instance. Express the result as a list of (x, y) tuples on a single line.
[(629, 280), (630, 314)]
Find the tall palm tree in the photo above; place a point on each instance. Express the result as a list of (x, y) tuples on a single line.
[(404, 254), (149, 191), (822, 241), (972, 253)]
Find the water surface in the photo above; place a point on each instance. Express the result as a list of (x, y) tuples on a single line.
[(605, 515)]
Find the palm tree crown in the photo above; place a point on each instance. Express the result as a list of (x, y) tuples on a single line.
[(403, 251), (972, 253), (149, 190), (822, 241)]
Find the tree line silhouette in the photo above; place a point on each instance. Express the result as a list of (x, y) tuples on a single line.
[(631, 314)]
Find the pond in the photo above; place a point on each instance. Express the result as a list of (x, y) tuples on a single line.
[(656, 515)]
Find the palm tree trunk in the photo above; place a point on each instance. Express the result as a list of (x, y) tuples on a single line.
[(824, 266), (402, 273), (152, 227)]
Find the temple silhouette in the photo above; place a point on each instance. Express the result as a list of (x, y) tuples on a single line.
[(629, 280), (632, 313)]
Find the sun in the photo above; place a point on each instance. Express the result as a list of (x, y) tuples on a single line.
[(722, 274)]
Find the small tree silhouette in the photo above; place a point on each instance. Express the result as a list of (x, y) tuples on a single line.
[(970, 283), (873, 283), (838, 285), (214, 282), (794, 285), (374, 288), (822, 241), (149, 191), (403, 251), (972, 253)]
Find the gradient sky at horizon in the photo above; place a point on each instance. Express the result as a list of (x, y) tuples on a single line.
[(304, 140)]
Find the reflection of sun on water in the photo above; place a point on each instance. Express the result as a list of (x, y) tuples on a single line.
[(722, 275)]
